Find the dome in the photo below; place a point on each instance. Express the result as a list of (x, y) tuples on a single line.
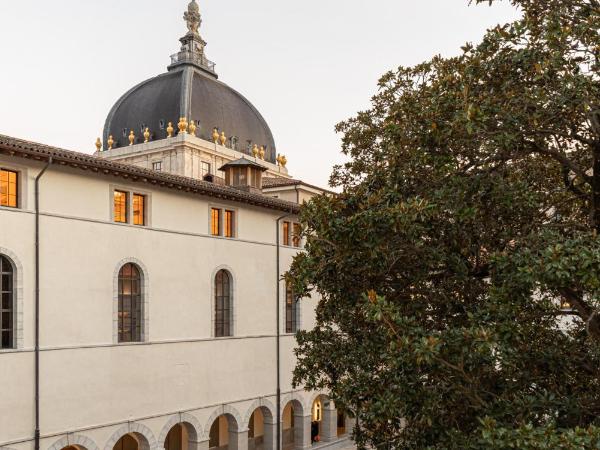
[(189, 89)]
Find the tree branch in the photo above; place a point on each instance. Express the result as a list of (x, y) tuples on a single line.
[(589, 315)]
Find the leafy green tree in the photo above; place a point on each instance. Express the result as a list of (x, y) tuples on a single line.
[(459, 269)]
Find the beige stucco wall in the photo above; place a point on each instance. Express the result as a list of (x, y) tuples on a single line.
[(89, 384)]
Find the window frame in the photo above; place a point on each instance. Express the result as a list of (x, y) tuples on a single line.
[(157, 165), (296, 235), (229, 223), (11, 294), (203, 173), (223, 210), (131, 192), (289, 238), (144, 203), (138, 310), (216, 213), (224, 327), (126, 205), (18, 177), (286, 226), (292, 311)]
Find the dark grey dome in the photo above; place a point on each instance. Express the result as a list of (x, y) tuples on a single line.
[(188, 90)]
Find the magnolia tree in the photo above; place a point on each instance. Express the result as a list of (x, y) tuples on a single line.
[(459, 269)]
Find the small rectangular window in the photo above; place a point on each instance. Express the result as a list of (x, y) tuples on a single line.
[(205, 169), (139, 209), (120, 206), (9, 184), (229, 224), (215, 222), (296, 235), (157, 166), (291, 310), (286, 233)]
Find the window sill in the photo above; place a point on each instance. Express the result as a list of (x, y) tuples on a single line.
[(233, 238), (125, 344), (10, 350)]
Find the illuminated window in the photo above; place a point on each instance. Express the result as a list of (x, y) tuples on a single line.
[(215, 221), (229, 224), (130, 304), (223, 304), (296, 238), (120, 206), (286, 233), (139, 209), (317, 411), (8, 188), (6, 303), (291, 310)]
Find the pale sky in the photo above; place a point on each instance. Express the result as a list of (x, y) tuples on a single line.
[(306, 65)]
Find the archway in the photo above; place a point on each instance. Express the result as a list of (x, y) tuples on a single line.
[(295, 429), (324, 420), (261, 430), (224, 433), (71, 442), (180, 433), (177, 438), (132, 441)]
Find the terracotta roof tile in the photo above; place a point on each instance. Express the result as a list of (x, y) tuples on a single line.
[(89, 163)]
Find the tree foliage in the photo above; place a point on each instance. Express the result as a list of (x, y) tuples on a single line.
[(468, 218)]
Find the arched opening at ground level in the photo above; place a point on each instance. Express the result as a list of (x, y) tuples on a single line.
[(327, 422), (181, 436), (261, 430), (295, 426), (224, 434)]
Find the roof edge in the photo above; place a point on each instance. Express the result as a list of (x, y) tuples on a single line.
[(98, 166)]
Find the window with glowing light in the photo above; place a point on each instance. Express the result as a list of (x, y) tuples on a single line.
[(120, 206), (139, 209), (9, 195)]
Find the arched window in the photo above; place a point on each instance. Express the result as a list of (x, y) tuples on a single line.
[(130, 304), (291, 310), (7, 301), (223, 304)]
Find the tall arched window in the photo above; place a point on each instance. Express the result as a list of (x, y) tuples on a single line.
[(291, 310), (223, 304), (130, 304), (7, 301)]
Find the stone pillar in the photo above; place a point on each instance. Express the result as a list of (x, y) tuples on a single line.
[(302, 432), (329, 422), (350, 424), (238, 440), (270, 433)]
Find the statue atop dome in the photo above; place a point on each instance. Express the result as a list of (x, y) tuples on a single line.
[(193, 18), (192, 44)]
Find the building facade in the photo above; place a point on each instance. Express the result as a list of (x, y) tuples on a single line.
[(142, 300)]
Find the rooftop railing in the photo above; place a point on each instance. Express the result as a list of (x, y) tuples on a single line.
[(194, 58)]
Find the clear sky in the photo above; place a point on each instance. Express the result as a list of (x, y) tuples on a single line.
[(306, 65)]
